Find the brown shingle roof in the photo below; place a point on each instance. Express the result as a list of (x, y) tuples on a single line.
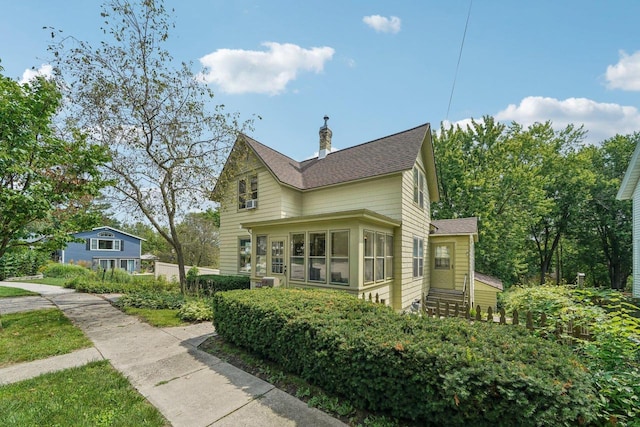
[(391, 154), (455, 226), (489, 280)]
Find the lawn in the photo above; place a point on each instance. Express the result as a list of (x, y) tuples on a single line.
[(36, 335), (6, 292), (160, 318), (91, 395)]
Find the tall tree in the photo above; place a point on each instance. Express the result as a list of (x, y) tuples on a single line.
[(200, 231), (566, 178), (607, 222), (47, 181), (493, 172), (166, 147)]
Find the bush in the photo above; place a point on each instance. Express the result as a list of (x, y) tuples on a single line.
[(208, 284), (612, 354), (21, 263), (436, 371), (93, 283), (65, 271), (151, 299), (196, 311)]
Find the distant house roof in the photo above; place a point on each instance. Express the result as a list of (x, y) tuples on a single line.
[(494, 282), (454, 226), (631, 177), (106, 227), (383, 156)]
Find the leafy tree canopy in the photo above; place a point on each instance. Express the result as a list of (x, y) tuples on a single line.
[(47, 181)]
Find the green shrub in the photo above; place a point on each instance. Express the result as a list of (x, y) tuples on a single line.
[(21, 262), (93, 283), (613, 352), (65, 271), (151, 299), (197, 310), (436, 371), (208, 284)]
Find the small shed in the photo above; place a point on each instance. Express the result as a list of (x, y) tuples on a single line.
[(486, 291)]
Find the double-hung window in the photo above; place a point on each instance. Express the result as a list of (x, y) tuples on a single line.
[(340, 257), (418, 186), (244, 255), (317, 257), (247, 191), (418, 257), (261, 255), (297, 257), (378, 256)]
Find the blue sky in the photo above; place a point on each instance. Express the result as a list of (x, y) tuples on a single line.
[(380, 67)]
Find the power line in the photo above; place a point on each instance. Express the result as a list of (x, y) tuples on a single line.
[(455, 76)]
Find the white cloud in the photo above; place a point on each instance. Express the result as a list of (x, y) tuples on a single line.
[(382, 24), (625, 74), (45, 70), (601, 120), (251, 71)]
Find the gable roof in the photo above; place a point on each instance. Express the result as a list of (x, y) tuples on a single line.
[(383, 156), (631, 177), (106, 227), (455, 226)]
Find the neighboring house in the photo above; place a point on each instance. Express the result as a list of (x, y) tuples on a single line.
[(104, 248), (356, 219), (630, 190)]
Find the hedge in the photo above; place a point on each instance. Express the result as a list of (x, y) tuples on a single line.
[(433, 371), (209, 284)]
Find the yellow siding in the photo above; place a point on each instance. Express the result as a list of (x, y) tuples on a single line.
[(378, 195), (485, 296), (270, 206), (415, 222)]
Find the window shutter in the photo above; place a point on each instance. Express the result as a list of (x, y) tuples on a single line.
[(88, 244), (122, 245)]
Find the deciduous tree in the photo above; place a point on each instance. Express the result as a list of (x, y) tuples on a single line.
[(166, 146), (47, 180)]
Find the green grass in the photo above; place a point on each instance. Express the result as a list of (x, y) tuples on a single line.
[(91, 395), (54, 281), (36, 335), (6, 292), (156, 317)]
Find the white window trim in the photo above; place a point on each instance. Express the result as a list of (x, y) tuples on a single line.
[(115, 247)]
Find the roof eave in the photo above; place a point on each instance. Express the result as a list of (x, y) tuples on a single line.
[(631, 177)]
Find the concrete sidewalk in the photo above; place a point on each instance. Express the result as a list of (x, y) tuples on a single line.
[(190, 387)]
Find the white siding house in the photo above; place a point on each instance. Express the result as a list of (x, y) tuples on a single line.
[(629, 189)]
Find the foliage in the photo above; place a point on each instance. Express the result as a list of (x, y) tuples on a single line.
[(613, 353), (166, 147), (91, 395), (379, 359), (54, 269), (208, 284), (197, 310), (21, 262), (151, 299), (46, 180), (38, 334), (199, 231), (126, 283), (544, 201)]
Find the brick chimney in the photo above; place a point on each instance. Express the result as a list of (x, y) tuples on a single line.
[(325, 140)]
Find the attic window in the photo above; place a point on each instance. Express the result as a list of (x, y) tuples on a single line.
[(418, 187), (247, 191)]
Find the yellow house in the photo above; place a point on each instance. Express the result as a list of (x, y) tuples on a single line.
[(356, 219)]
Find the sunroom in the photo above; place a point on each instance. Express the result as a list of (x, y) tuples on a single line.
[(352, 251)]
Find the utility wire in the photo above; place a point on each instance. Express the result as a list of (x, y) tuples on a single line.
[(455, 76)]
